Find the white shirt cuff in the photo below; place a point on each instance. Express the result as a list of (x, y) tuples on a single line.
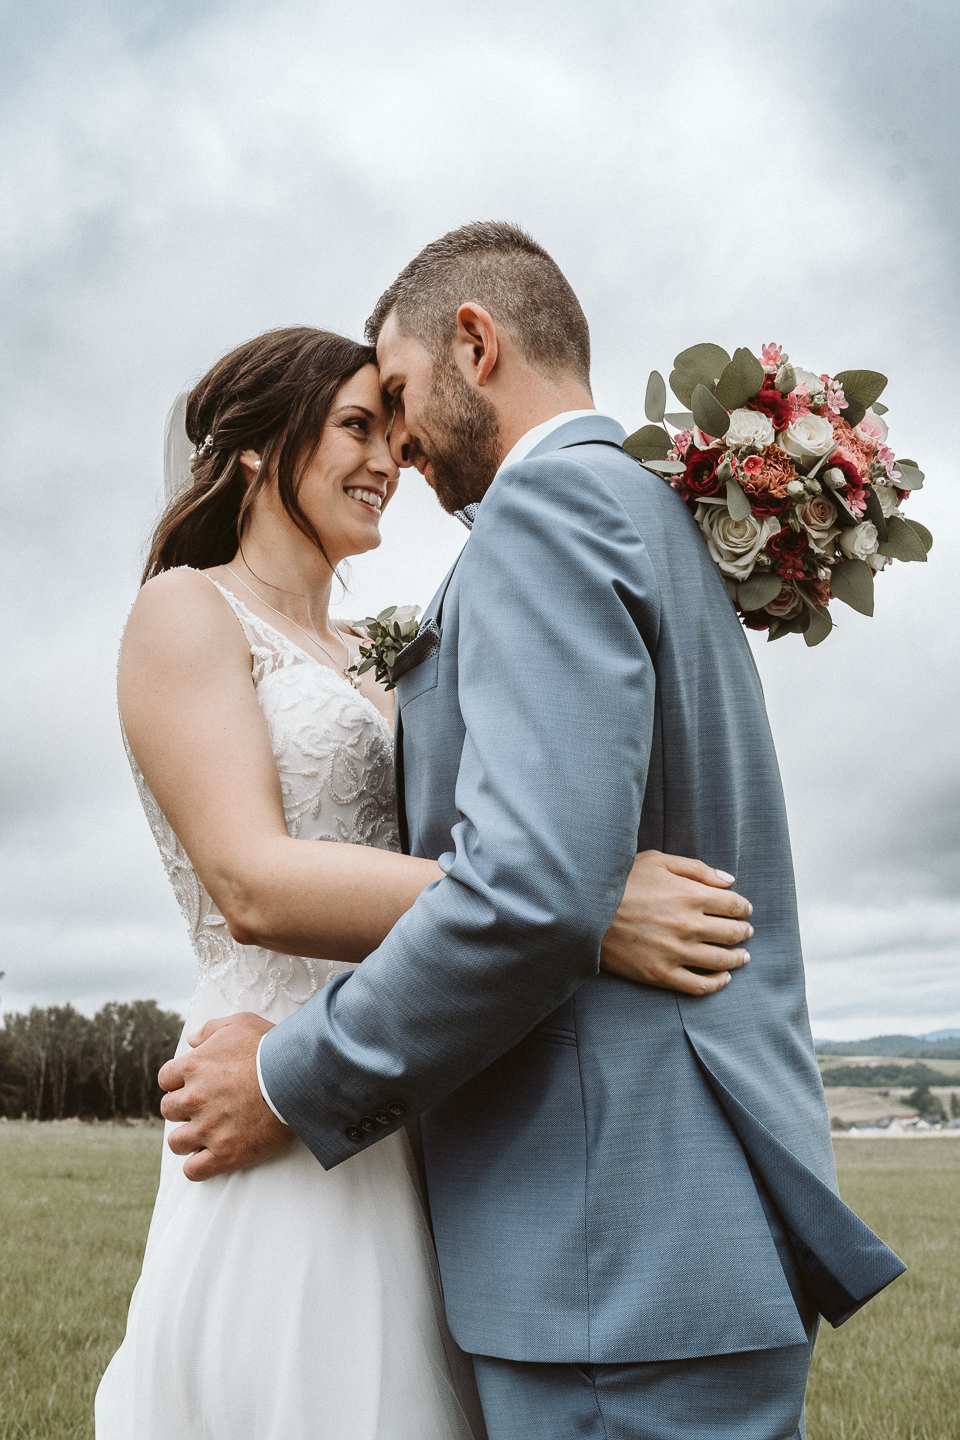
[(263, 1088)]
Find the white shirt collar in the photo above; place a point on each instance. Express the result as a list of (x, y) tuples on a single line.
[(528, 442)]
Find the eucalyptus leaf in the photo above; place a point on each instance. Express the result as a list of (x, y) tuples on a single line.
[(852, 582), (902, 542), (709, 414), (819, 627), (385, 614), (878, 409), (759, 589), (365, 665), (731, 587), (845, 516), (680, 419), (700, 365), (655, 401), (911, 478), (666, 467), (926, 539), (821, 462), (740, 380), (796, 625), (704, 361), (738, 504), (863, 385), (874, 513), (683, 384), (650, 442)]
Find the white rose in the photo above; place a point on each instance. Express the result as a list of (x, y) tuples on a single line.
[(860, 541), (817, 518), (406, 617), (735, 544), (749, 427), (807, 438), (816, 390), (889, 500)]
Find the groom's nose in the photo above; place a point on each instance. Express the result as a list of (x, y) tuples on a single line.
[(401, 442), (402, 451)]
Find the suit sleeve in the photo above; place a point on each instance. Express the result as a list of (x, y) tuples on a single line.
[(558, 624)]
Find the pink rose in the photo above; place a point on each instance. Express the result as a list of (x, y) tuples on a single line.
[(873, 429), (786, 604)]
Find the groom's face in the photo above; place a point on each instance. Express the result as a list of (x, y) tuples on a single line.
[(443, 425)]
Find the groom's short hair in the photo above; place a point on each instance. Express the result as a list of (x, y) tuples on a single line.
[(498, 266)]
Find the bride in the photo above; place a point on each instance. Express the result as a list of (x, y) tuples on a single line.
[(285, 1302)]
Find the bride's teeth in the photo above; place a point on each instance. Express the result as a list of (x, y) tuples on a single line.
[(367, 496)]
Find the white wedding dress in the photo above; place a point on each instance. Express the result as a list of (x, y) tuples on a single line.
[(286, 1302)]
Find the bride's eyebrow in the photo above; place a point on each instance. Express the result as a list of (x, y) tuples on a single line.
[(344, 409)]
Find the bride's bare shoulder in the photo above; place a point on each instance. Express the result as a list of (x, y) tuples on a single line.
[(179, 616)]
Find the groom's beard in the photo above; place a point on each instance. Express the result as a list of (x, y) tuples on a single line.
[(464, 439)]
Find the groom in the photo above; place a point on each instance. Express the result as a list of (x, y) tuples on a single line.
[(632, 1191)]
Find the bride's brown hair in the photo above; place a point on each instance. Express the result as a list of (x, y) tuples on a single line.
[(272, 395)]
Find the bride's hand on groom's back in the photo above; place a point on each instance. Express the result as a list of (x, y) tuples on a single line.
[(678, 917)]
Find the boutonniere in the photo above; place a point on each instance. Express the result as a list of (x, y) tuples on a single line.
[(387, 634)]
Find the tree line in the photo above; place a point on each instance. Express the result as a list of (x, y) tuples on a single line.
[(56, 1063)]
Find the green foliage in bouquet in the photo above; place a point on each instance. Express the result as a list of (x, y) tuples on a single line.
[(789, 476), (387, 634)]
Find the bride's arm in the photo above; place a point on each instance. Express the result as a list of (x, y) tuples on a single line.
[(192, 719)]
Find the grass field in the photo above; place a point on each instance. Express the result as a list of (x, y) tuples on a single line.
[(75, 1202)]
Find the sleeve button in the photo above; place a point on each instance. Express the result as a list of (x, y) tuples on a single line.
[(396, 1107), (383, 1117), (353, 1132), (367, 1124)]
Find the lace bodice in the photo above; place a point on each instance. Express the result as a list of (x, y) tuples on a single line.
[(334, 754)]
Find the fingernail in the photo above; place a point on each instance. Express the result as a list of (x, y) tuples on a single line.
[(724, 876), (746, 957), (726, 980), (752, 932)]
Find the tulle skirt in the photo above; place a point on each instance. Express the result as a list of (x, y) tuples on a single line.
[(286, 1302)]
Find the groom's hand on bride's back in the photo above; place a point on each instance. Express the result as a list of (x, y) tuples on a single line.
[(678, 918), (214, 1091)]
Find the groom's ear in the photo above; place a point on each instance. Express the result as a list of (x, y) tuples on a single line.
[(476, 344)]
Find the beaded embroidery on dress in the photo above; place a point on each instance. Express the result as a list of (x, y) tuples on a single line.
[(286, 1302)]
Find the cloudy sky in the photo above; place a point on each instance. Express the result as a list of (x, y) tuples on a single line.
[(183, 174)]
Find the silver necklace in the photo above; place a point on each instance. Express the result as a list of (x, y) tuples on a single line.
[(341, 668)]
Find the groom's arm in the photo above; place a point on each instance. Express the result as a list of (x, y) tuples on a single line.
[(559, 617)]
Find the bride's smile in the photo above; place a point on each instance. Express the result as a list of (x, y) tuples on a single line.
[(347, 483)]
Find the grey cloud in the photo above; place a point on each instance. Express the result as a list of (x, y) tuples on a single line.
[(189, 174)]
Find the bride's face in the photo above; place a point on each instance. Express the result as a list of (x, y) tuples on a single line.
[(352, 475)]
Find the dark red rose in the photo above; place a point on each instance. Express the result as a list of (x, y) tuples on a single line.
[(764, 502), (700, 476), (771, 403), (756, 620), (787, 549)]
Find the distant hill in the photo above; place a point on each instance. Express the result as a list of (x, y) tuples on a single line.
[(868, 1076), (904, 1047)]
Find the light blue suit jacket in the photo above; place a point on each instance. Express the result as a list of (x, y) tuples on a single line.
[(602, 1157)]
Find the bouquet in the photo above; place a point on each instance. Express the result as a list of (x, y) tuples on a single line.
[(386, 634), (790, 479)]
